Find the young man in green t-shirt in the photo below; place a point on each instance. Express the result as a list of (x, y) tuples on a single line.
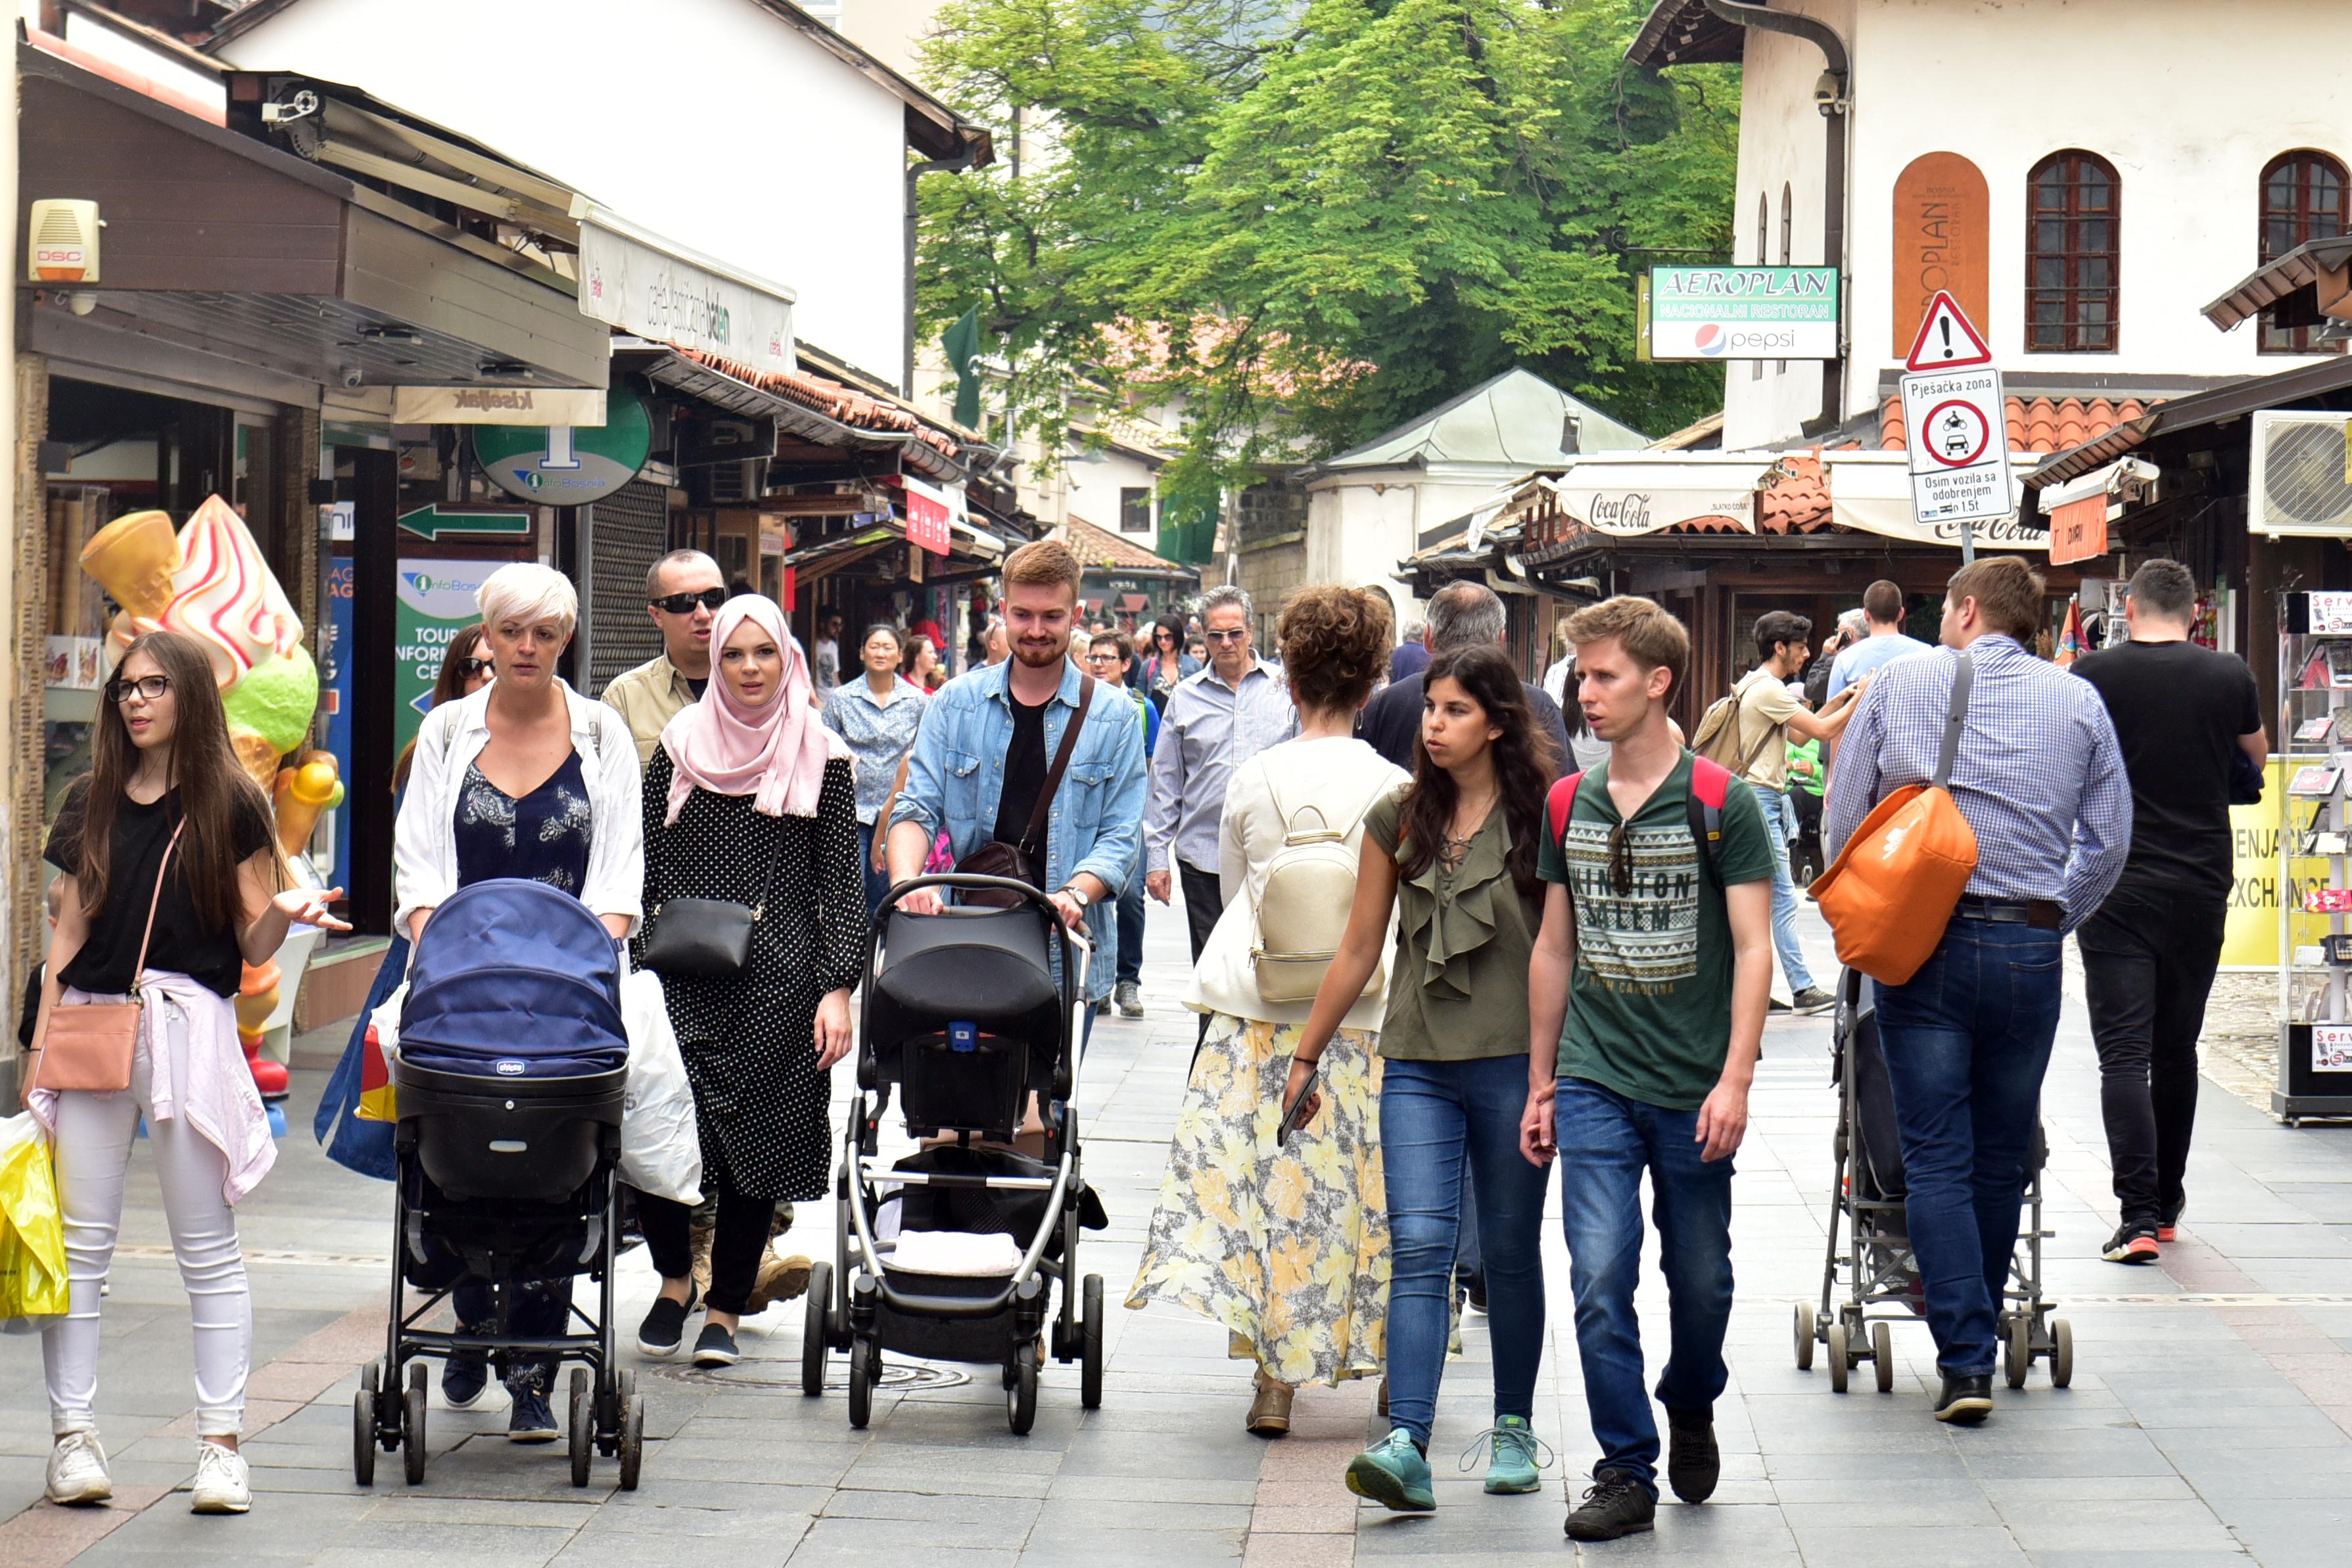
[(1664, 946)]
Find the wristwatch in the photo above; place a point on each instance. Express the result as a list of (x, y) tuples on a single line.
[(1077, 892)]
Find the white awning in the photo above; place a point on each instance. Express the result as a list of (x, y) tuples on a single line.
[(634, 279), (1642, 494), (1870, 491)]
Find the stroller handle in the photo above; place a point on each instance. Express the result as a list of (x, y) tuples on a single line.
[(967, 881)]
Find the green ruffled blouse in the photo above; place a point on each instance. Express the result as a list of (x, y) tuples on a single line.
[(1458, 983)]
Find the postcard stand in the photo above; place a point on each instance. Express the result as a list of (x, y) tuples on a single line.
[(2314, 849)]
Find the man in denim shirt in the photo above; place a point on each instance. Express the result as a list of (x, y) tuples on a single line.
[(988, 741)]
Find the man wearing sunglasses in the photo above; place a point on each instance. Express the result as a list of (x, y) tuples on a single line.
[(683, 592), (1645, 1014)]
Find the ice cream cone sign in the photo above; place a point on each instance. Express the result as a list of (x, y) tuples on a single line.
[(300, 794), (210, 582)]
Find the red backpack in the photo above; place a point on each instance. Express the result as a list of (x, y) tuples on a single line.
[(1709, 782)]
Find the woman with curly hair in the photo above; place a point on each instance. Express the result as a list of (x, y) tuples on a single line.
[(1454, 857), (1285, 1244)]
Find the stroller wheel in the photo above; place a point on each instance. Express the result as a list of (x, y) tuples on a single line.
[(1021, 1399), (865, 1371), (816, 1324), (2019, 1357), (1804, 1338), (1882, 1356), (584, 1426), (1840, 1360), (412, 1437), (1090, 1345), (2062, 1353), (633, 1440), (364, 1437)]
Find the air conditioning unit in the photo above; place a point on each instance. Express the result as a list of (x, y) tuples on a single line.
[(731, 484), (63, 242), (2300, 483)]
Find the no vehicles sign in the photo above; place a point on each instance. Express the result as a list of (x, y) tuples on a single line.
[(1953, 422)]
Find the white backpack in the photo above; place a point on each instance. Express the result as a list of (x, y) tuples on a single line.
[(1302, 911)]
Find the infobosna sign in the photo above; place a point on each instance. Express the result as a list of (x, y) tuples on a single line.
[(1743, 312)]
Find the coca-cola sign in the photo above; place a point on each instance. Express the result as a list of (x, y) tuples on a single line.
[(1629, 513)]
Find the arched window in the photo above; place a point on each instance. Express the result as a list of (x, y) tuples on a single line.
[(1787, 220), (2074, 214), (1763, 257), (2303, 200)]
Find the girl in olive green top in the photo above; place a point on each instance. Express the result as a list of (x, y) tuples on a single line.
[(1454, 855)]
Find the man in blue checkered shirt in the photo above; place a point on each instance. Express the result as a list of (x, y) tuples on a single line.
[(2041, 780)]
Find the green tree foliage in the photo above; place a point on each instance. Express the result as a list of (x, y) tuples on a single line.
[(1317, 223)]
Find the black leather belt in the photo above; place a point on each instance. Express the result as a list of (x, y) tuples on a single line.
[(2042, 914)]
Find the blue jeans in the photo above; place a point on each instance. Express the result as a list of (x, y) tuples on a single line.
[(1130, 931), (1438, 1119), (877, 884), (1780, 826), (1968, 1040), (1606, 1141)]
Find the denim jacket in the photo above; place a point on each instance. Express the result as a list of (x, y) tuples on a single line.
[(956, 773)]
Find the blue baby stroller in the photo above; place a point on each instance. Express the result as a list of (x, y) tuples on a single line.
[(512, 1067)]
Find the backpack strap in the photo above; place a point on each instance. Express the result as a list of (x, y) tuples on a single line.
[(1710, 783), (1560, 804)]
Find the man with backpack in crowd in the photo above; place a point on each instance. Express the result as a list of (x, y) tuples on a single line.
[(2036, 774), (1748, 732), (2184, 716), (1657, 926)]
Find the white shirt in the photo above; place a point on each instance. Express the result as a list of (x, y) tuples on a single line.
[(425, 839), (1340, 776)]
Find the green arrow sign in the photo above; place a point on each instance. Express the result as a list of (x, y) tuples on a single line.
[(432, 523)]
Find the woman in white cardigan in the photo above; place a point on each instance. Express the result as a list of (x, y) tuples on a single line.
[(1286, 1245), (525, 778)]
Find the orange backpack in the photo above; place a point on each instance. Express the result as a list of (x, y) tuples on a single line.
[(1892, 888)]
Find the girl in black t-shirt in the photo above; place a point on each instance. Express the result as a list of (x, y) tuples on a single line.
[(162, 766)]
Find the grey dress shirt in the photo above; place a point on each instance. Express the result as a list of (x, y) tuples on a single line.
[(1209, 729)]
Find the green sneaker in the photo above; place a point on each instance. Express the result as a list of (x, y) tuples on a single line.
[(1392, 1473), (1516, 1457)]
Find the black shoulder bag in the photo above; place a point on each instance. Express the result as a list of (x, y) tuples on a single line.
[(1025, 862), (708, 938)]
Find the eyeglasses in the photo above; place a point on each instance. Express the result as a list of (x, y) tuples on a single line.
[(468, 668), (684, 603), (1236, 636), (1621, 860), (151, 687)]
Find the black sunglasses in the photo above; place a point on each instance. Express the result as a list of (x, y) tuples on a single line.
[(684, 603), (1621, 860), (468, 668)]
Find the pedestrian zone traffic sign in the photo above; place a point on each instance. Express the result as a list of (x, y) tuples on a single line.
[(1946, 341), (1957, 439)]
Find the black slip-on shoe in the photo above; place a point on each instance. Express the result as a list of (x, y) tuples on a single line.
[(1965, 1401)]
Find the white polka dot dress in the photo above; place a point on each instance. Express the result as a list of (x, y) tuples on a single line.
[(749, 1041)]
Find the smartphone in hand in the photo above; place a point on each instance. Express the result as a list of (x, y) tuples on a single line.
[(1295, 1114)]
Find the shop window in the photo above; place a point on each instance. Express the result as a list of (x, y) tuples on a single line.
[(2303, 200), (2074, 214), (1135, 509)]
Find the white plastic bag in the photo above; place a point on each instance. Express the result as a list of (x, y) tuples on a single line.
[(661, 1150)]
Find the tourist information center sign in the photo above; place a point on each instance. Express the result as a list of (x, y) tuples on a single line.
[(1743, 312)]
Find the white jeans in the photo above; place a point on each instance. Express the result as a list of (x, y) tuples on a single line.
[(94, 1135)]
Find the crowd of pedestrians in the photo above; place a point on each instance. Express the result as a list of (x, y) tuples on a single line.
[(1450, 930)]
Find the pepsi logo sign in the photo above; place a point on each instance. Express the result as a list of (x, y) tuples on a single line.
[(1711, 339)]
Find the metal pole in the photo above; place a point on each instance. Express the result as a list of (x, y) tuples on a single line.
[(1967, 544)]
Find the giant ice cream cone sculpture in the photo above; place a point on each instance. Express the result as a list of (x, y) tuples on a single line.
[(257, 998), (211, 584)]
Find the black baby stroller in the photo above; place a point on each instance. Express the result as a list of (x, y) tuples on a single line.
[(962, 1013), (512, 1068), (1876, 1272)]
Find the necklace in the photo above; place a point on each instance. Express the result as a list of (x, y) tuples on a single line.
[(1458, 849)]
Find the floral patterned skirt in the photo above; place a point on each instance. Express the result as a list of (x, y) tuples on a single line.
[(1288, 1247)]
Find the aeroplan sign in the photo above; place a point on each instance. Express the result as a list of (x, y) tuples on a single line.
[(1743, 313)]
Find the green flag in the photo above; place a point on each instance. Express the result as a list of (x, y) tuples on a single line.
[(960, 343)]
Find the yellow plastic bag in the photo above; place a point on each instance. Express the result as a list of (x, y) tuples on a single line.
[(32, 1231)]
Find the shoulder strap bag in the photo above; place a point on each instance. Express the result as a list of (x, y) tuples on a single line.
[(1892, 888), (88, 1046), (708, 938), (1025, 862)]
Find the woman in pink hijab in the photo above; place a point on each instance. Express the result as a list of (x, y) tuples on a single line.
[(751, 799)]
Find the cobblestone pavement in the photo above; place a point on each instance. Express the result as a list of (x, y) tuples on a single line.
[(2210, 1421)]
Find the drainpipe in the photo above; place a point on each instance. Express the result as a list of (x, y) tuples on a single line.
[(962, 160), (1832, 96)]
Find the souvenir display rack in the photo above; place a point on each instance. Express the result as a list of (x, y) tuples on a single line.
[(2315, 855)]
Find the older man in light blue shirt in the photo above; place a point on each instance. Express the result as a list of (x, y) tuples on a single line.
[(1216, 720)]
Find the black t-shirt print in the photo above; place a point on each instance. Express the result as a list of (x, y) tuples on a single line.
[(180, 943), (1024, 770), (2179, 710)]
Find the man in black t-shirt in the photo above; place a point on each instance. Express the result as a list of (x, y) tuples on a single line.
[(2181, 713)]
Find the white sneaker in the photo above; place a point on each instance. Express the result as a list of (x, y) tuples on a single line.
[(222, 1484), (77, 1470)]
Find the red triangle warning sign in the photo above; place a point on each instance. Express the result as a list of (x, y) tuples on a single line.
[(1946, 341)]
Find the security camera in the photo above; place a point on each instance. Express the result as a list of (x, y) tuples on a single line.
[(1829, 94), (348, 376)]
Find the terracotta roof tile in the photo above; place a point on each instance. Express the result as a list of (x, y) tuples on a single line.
[(829, 398), (1100, 547), (2034, 425)]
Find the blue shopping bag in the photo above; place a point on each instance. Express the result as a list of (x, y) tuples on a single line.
[(351, 1141)]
